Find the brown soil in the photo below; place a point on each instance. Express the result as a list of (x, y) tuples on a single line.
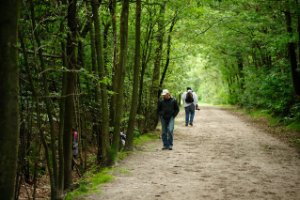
[(221, 157)]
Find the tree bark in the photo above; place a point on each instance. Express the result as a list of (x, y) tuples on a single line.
[(70, 91), (60, 178), (135, 86), (146, 52), (112, 9), (9, 90), (120, 74), (292, 53), (155, 90), (168, 51), (103, 159)]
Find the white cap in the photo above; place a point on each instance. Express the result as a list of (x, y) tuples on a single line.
[(164, 92)]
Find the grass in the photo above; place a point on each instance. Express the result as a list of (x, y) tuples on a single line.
[(90, 183), (142, 139), (294, 126), (93, 179)]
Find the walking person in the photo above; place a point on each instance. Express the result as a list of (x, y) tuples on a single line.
[(167, 110), (190, 103)]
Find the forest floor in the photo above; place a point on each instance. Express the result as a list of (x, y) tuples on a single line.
[(223, 156)]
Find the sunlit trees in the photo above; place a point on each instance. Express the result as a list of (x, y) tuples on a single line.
[(91, 65)]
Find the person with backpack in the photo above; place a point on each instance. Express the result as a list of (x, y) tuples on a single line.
[(167, 110), (190, 103)]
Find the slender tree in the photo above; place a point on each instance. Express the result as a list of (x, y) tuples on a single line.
[(155, 90), (168, 50), (103, 157), (120, 74), (69, 110), (112, 9), (136, 73), (146, 53)]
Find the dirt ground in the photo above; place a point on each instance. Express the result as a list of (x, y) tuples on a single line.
[(220, 157)]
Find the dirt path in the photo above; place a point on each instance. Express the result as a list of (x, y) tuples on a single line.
[(220, 157)]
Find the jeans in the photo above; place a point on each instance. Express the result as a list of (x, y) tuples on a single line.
[(189, 114), (167, 131)]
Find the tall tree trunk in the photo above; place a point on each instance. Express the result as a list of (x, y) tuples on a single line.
[(155, 90), (112, 9), (103, 160), (168, 51), (70, 91), (60, 178), (292, 53), (120, 74), (9, 90), (96, 127), (146, 52), (135, 86)]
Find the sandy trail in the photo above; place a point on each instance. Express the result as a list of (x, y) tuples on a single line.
[(220, 157)]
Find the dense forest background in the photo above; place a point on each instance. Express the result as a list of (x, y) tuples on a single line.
[(98, 66)]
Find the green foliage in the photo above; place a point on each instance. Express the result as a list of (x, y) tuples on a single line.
[(269, 89), (229, 52), (220, 31), (295, 126)]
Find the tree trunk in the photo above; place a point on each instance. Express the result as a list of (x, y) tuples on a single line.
[(70, 91), (155, 90), (103, 160), (60, 178), (135, 86), (146, 52), (9, 90), (168, 51), (292, 53), (112, 9), (120, 74), (96, 121)]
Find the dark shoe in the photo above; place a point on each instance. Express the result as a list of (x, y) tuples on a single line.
[(186, 124), (164, 148), (191, 124), (170, 148)]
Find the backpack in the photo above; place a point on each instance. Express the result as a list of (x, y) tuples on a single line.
[(189, 98)]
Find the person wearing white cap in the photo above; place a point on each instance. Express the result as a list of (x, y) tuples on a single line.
[(190, 103), (167, 110)]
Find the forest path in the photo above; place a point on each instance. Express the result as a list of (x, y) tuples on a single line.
[(220, 157)]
